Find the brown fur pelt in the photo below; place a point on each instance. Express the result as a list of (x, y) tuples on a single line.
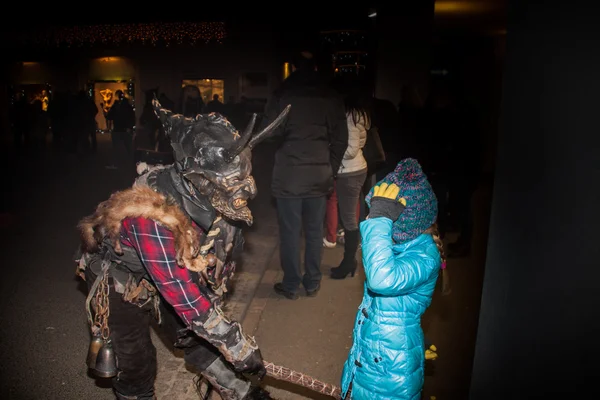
[(142, 201)]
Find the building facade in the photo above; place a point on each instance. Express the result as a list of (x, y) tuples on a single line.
[(175, 59)]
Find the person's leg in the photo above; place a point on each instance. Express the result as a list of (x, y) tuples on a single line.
[(18, 138), (94, 139), (366, 188), (289, 215), (348, 194), (331, 220), (313, 213), (358, 207), (134, 352), (128, 142), (115, 138)]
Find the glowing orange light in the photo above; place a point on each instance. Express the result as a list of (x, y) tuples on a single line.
[(287, 70), (459, 7)]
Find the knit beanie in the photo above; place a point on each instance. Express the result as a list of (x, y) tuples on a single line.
[(421, 204)]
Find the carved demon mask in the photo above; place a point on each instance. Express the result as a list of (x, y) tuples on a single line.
[(215, 159)]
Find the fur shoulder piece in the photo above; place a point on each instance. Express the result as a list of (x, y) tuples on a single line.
[(142, 201)]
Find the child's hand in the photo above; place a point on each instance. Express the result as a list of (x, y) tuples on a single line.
[(384, 203)]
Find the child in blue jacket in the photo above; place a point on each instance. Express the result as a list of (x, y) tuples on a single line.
[(402, 256)]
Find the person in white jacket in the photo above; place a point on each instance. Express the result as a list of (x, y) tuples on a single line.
[(350, 179)]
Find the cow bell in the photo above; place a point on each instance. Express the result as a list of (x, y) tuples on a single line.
[(106, 365), (95, 346)]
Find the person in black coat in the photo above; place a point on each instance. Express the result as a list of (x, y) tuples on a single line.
[(310, 147)]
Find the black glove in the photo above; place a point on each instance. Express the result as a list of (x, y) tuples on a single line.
[(388, 208), (252, 365), (227, 336)]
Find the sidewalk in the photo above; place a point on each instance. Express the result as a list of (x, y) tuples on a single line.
[(310, 335), (313, 335)]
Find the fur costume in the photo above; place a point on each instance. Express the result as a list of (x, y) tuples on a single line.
[(142, 201)]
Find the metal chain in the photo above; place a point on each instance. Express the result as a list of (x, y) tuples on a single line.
[(102, 307)]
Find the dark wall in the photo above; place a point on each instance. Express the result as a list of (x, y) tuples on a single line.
[(540, 311)]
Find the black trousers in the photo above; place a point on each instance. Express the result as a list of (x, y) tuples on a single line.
[(293, 215), (135, 354)]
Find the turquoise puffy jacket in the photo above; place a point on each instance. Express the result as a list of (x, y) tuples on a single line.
[(387, 357)]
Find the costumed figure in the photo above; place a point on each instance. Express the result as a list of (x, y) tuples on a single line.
[(166, 247), (402, 257)]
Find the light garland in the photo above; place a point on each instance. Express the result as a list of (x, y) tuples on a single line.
[(120, 34)]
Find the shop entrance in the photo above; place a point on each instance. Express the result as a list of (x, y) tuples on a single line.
[(104, 94), (32, 92)]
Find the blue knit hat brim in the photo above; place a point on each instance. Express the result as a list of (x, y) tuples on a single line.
[(421, 204)]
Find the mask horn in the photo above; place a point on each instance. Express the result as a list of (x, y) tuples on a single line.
[(260, 136), (240, 144), (171, 121)]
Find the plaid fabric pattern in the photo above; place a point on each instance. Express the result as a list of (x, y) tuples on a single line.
[(155, 246)]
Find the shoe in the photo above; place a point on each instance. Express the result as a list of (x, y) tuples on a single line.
[(313, 292), (281, 291), (328, 244), (341, 236), (349, 263), (343, 270)]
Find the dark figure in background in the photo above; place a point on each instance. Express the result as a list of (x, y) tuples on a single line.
[(39, 125), (58, 113), (191, 101), (438, 125), (21, 124), (238, 112), (464, 175), (86, 111), (311, 145), (153, 132), (122, 116), (385, 118), (215, 105), (408, 116)]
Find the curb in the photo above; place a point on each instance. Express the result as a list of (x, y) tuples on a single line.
[(264, 274)]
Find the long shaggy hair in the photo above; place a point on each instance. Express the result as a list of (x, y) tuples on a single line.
[(142, 201)]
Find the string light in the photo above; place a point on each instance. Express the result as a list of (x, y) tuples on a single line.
[(347, 39), (348, 50), (144, 33)]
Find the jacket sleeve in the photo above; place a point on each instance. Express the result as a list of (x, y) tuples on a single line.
[(389, 273), (156, 248), (356, 138), (338, 132)]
